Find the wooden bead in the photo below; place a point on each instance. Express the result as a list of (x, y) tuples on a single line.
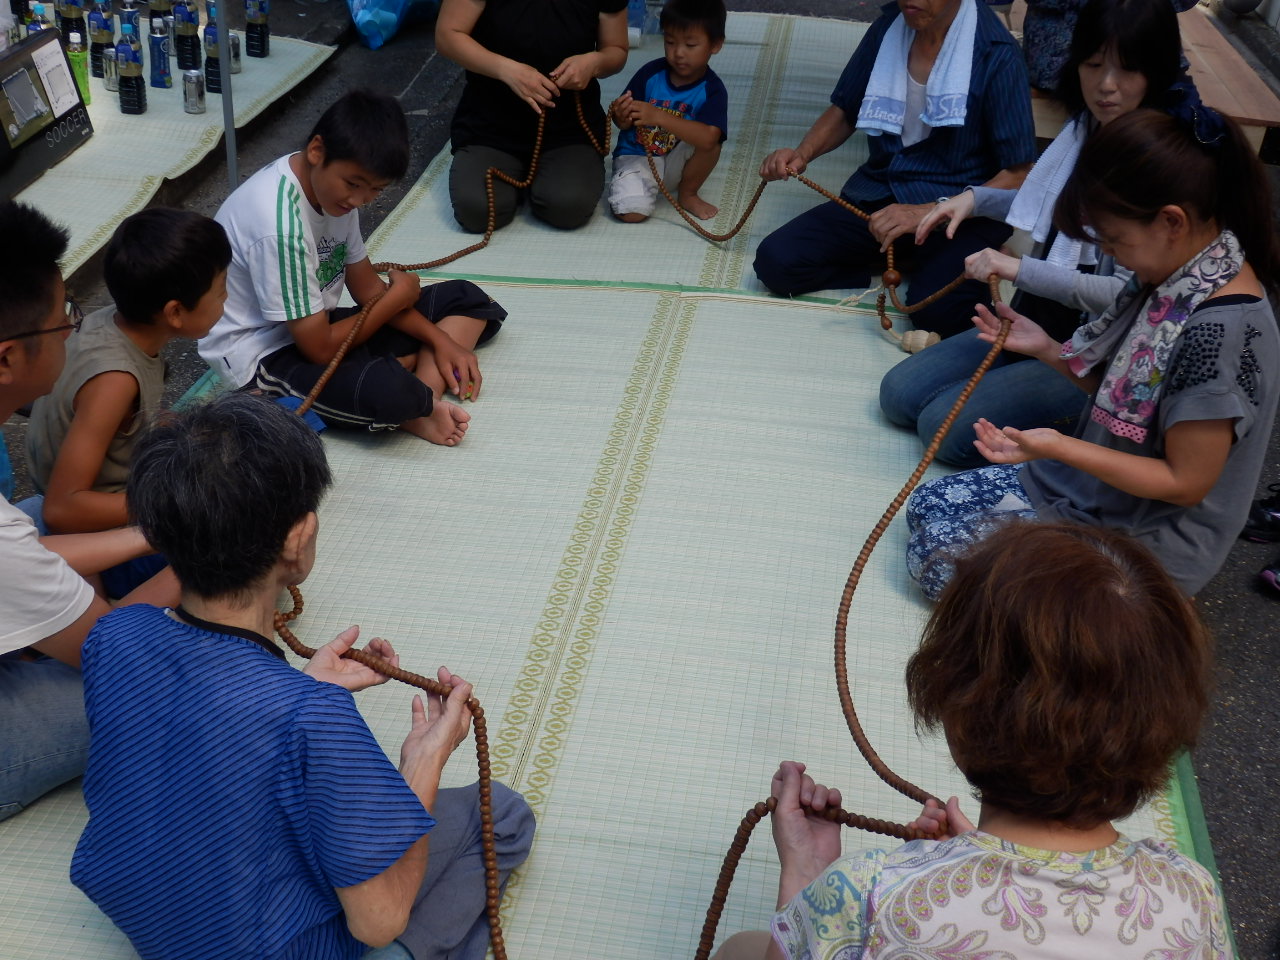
[(891, 278)]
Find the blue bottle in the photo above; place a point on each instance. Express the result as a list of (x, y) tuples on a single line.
[(212, 61), (38, 20), (186, 34), (257, 32), (102, 34), (129, 14), (159, 42), (133, 88)]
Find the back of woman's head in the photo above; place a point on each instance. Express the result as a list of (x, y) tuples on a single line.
[(1066, 671), (1198, 160), (1144, 35)]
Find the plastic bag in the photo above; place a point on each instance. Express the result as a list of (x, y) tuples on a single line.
[(378, 20)]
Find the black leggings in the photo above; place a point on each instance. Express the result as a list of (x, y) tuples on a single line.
[(371, 389), (565, 193)]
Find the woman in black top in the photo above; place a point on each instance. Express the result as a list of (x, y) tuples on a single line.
[(523, 57)]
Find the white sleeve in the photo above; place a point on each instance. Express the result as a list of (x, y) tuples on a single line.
[(282, 268), (39, 593)]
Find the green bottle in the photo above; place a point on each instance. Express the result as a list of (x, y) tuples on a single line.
[(78, 57)]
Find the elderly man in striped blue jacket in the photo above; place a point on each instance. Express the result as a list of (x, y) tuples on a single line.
[(240, 807), (940, 89)]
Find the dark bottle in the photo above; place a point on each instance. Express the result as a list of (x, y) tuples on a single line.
[(72, 12), (212, 62), (102, 34), (133, 85), (257, 34), (186, 34)]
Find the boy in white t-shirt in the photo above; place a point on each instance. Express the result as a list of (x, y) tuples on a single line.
[(295, 237)]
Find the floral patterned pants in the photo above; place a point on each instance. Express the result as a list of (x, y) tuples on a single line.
[(948, 516)]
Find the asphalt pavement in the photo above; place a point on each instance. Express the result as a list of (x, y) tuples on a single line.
[(1238, 759)]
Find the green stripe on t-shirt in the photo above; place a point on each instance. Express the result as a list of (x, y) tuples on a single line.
[(290, 251)]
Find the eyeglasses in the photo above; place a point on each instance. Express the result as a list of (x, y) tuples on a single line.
[(75, 317)]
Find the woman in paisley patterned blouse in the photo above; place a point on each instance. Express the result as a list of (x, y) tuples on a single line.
[(1066, 671)]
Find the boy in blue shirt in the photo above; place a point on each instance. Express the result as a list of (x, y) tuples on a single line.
[(686, 102)]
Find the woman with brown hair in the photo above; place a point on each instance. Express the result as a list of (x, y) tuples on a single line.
[(1066, 671)]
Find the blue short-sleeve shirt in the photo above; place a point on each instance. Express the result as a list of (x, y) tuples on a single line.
[(998, 132), (705, 100), (229, 794)]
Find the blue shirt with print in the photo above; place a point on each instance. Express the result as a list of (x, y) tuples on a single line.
[(705, 100)]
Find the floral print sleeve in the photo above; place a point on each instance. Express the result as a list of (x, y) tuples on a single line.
[(831, 918)]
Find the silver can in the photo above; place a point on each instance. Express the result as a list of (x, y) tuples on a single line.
[(234, 40), (110, 69), (168, 33), (193, 91)]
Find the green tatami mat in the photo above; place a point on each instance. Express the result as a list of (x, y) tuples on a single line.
[(779, 71), (636, 556), (120, 168)]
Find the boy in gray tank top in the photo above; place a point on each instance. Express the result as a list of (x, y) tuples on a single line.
[(166, 270)]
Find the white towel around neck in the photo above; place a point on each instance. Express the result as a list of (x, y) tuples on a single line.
[(946, 99), (1032, 207)]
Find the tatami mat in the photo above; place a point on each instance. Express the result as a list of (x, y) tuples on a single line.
[(120, 168), (636, 556)]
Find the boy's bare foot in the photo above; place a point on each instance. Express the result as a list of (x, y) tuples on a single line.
[(445, 424), (631, 217), (698, 207)]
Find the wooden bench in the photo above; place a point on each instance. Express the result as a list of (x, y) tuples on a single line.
[(1225, 81)]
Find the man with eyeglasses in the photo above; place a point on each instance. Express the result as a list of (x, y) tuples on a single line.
[(47, 607)]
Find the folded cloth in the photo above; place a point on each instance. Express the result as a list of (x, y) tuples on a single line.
[(1032, 207), (884, 107)]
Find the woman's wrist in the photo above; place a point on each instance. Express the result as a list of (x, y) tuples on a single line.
[(791, 882), (1050, 352)]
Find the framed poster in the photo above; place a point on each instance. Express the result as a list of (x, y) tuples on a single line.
[(41, 112)]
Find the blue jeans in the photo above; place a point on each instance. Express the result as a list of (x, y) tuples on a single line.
[(46, 735), (948, 516), (1017, 391)]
